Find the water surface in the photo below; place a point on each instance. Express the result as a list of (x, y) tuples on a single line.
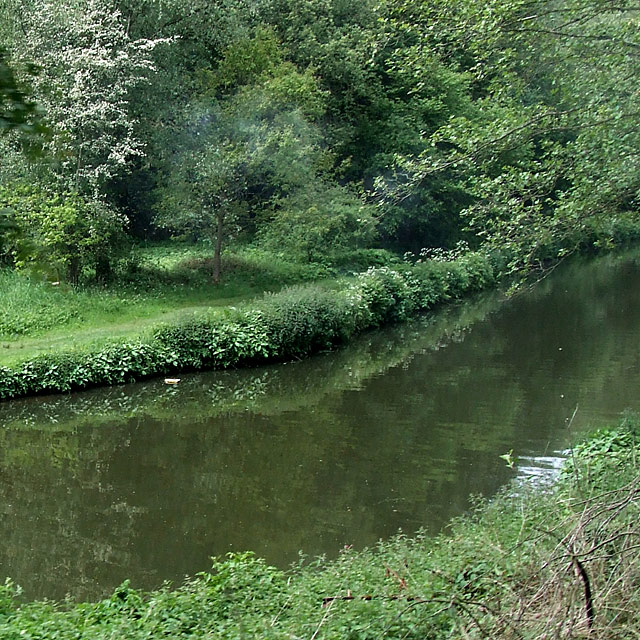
[(396, 431)]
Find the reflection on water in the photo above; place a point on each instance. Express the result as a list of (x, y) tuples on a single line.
[(541, 469), (148, 481)]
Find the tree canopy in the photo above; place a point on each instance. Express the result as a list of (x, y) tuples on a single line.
[(318, 125)]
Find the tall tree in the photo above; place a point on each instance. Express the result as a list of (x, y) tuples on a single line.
[(88, 68), (246, 144), (548, 150), (228, 162)]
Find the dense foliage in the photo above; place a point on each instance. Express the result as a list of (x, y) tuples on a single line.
[(317, 126), (561, 563), (295, 322)]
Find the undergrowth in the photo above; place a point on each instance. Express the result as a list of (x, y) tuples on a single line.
[(30, 307), (150, 282), (245, 269)]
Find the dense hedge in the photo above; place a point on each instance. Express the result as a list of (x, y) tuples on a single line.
[(293, 323)]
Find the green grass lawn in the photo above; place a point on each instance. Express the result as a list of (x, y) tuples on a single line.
[(155, 284)]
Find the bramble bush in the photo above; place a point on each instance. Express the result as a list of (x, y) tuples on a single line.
[(216, 342), (302, 320), (64, 371)]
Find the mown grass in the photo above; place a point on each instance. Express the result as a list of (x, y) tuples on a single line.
[(554, 561), (155, 283)]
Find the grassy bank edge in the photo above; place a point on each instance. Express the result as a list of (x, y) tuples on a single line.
[(558, 560), (291, 324), (294, 323)]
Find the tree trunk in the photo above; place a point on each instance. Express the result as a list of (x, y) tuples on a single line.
[(74, 269), (103, 269), (217, 253)]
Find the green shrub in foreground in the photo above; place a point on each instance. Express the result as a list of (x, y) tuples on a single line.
[(293, 323)]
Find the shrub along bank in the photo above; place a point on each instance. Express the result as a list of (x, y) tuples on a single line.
[(562, 562), (293, 323)]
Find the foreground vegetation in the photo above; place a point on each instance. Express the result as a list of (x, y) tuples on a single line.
[(556, 560)]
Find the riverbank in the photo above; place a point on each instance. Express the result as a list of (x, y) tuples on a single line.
[(152, 284), (558, 560), (293, 323), (239, 331)]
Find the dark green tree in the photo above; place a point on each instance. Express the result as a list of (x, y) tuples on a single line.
[(18, 111)]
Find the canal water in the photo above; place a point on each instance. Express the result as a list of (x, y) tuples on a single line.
[(394, 432)]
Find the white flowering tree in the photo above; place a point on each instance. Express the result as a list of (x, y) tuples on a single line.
[(88, 69)]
